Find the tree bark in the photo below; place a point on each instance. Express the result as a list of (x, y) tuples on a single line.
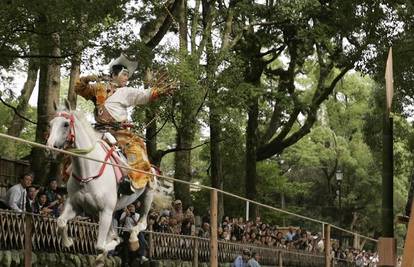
[(185, 131), (251, 148), (215, 151), (17, 124), (182, 164), (74, 76), (216, 166), (49, 86), (75, 63)]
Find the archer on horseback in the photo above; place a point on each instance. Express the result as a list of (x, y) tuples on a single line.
[(111, 98)]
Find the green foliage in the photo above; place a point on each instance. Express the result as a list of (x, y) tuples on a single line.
[(20, 150)]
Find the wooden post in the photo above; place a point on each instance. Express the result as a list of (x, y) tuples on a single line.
[(247, 210), (28, 241), (387, 249), (408, 255), (280, 263), (195, 252), (150, 243), (213, 227), (328, 247), (355, 242)]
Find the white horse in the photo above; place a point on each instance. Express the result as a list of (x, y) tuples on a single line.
[(92, 186)]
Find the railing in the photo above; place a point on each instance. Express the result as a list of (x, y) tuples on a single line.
[(190, 248), (43, 231), (14, 227)]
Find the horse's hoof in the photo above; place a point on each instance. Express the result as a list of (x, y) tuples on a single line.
[(68, 242)]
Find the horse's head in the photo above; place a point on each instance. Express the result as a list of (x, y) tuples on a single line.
[(62, 130)]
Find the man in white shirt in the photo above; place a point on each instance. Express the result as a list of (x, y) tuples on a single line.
[(129, 218), (15, 198)]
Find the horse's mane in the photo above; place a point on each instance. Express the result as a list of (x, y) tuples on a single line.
[(86, 125)]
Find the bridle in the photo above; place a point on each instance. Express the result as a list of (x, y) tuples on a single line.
[(70, 139), (70, 146)]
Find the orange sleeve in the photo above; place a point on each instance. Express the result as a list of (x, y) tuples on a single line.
[(84, 89)]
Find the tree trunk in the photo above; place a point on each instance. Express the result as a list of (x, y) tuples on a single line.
[(216, 167), (251, 147), (17, 124), (75, 64), (215, 153), (185, 131), (182, 162), (74, 76), (49, 85), (154, 154), (410, 196)]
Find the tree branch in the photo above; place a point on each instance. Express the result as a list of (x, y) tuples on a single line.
[(277, 145), (16, 112), (175, 149), (156, 39)]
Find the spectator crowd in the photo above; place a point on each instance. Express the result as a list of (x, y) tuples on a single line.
[(24, 196), (49, 201)]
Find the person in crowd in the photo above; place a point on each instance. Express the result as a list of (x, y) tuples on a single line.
[(173, 226), (279, 241), (241, 260), (254, 260), (15, 198), (162, 224), (237, 230), (189, 215), (51, 192), (186, 227), (129, 218), (204, 230), (54, 198), (41, 205), (290, 234), (320, 245), (31, 199), (177, 212)]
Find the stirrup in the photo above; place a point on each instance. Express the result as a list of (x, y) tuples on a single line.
[(124, 187)]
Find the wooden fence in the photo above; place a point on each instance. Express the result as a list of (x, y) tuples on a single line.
[(17, 230)]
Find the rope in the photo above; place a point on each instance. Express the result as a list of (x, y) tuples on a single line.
[(183, 182)]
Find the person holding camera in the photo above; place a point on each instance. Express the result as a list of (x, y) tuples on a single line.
[(129, 218)]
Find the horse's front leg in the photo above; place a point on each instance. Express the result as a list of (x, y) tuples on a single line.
[(105, 219), (142, 222), (67, 214)]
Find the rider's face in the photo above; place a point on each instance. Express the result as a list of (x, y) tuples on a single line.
[(121, 79)]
